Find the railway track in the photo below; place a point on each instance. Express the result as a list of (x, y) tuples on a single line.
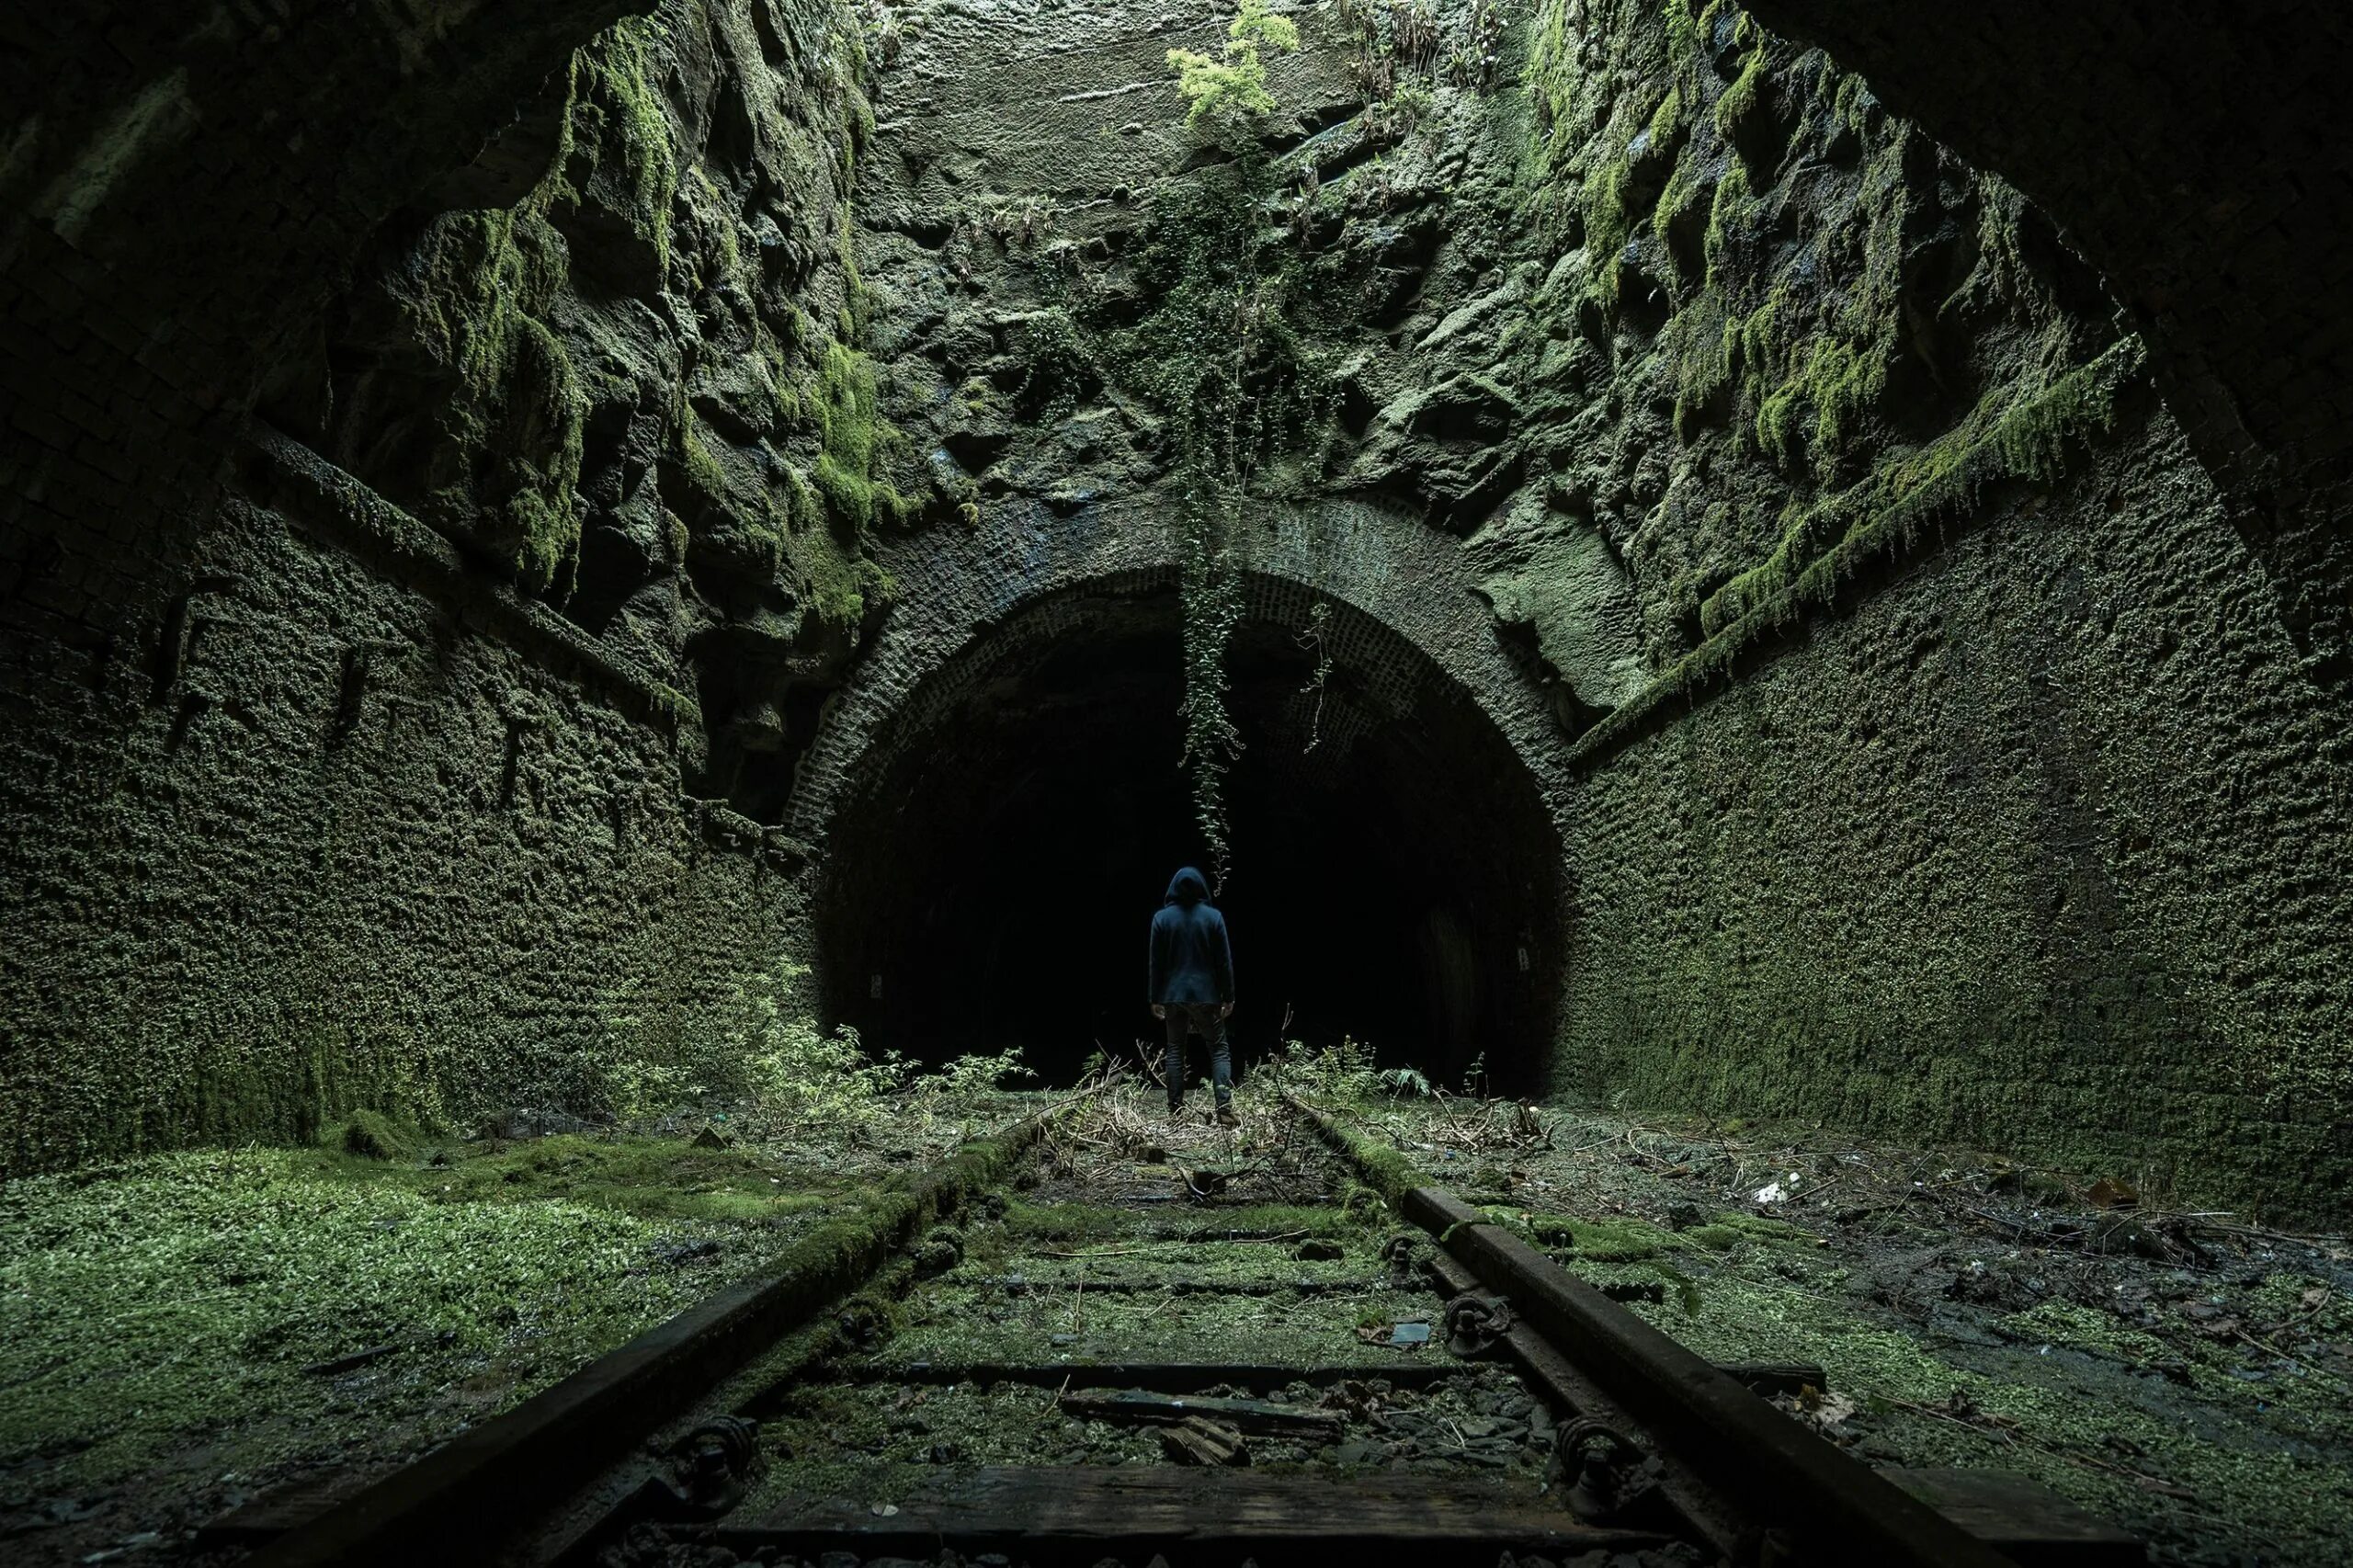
[(1062, 1350)]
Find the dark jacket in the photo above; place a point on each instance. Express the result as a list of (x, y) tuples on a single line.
[(1190, 958)]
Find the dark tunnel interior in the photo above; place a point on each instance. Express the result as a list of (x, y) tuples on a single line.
[(1390, 878)]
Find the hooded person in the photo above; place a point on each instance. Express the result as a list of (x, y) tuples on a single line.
[(1192, 984)]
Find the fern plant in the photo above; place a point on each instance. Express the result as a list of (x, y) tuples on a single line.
[(1231, 90)]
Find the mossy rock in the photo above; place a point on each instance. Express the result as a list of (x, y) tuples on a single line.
[(1603, 1241), (372, 1135)]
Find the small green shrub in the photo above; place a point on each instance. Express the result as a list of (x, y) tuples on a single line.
[(1232, 90), (372, 1135), (803, 1077)]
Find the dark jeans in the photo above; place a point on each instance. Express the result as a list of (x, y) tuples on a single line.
[(1204, 1019)]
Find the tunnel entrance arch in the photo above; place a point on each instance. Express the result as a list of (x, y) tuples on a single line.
[(999, 805)]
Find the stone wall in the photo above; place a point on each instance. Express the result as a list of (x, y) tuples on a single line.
[(345, 850), (2196, 152), (1974, 782), (2042, 849), (1936, 745), (363, 761)]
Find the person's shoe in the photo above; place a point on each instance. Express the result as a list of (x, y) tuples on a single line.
[(1175, 1107), (1225, 1117)]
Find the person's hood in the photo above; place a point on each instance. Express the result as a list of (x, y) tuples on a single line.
[(1188, 886)]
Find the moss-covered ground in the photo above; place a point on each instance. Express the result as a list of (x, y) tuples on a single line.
[(187, 1330), (181, 1333), (2184, 1375), (1104, 1259)]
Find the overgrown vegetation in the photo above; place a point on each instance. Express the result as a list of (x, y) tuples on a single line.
[(186, 1298), (782, 1073), (185, 1330), (1221, 353), (1843, 379), (1876, 523), (482, 283), (1229, 91)]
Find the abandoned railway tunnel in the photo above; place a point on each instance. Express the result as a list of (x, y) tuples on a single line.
[(999, 805), (1756, 578)]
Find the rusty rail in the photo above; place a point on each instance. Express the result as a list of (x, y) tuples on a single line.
[(1824, 1505), (460, 1503)]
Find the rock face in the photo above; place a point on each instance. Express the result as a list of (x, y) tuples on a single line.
[(1888, 724)]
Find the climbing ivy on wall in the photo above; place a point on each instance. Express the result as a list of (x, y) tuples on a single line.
[(1220, 352), (1222, 355)]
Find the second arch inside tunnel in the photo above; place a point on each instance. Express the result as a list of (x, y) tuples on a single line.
[(1393, 876)]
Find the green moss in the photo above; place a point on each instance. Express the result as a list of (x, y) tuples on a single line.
[(1387, 1170), (477, 290), (615, 111), (1730, 1230), (1743, 97), (1733, 208), (853, 438), (2074, 1426), (1685, 35), (1667, 123), (1686, 187), (374, 1136), (838, 584), (2029, 437), (1614, 1240), (1608, 223), (803, 511), (1702, 343), (702, 468), (1552, 79), (1082, 1224), (1818, 411), (177, 1300)]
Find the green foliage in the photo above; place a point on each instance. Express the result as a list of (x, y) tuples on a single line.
[(372, 1135), (614, 109), (1344, 1073), (1221, 354), (812, 1080), (1230, 91), (799, 1075), (1403, 1082), (960, 1088)]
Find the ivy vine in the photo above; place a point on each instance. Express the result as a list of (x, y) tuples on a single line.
[(1220, 351)]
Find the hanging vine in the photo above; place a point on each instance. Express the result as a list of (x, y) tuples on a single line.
[(1223, 356), (1316, 639)]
